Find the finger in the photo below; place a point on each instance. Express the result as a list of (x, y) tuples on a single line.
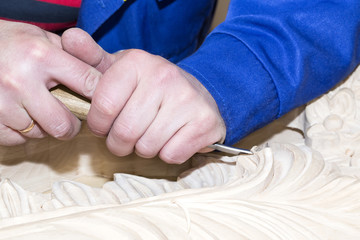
[(80, 44), (51, 115), (167, 122), (32, 130), (137, 115), (17, 118), (75, 74), (10, 137), (188, 140), (111, 95), (59, 67)]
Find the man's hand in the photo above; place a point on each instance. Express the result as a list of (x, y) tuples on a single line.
[(31, 62), (147, 104)]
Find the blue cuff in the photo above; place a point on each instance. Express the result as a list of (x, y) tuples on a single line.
[(243, 90)]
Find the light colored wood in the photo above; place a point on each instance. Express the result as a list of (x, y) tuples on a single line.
[(78, 105)]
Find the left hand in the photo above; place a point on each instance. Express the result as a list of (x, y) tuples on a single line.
[(145, 103)]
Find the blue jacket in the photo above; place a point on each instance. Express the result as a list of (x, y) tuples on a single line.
[(267, 58)]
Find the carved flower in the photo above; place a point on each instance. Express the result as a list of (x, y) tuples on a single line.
[(333, 127)]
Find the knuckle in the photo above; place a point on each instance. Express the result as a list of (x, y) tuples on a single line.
[(119, 151), (97, 126), (198, 126), (106, 107), (113, 149), (144, 149), (62, 130), (125, 132), (37, 50), (207, 119), (97, 129), (170, 157), (170, 71), (91, 78), (12, 82), (134, 55), (166, 73)]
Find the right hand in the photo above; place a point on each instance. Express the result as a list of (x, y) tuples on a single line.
[(31, 62), (146, 104)]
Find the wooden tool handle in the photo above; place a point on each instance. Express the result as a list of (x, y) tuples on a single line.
[(77, 104)]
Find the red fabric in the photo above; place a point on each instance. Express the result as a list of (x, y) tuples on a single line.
[(70, 3), (56, 26), (51, 27)]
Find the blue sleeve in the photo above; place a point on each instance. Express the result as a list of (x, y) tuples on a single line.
[(171, 29), (269, 57)]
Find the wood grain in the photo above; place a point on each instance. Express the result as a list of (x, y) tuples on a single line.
[(77, 104)]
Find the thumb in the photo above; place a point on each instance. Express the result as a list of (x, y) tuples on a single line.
[(82, 46)]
